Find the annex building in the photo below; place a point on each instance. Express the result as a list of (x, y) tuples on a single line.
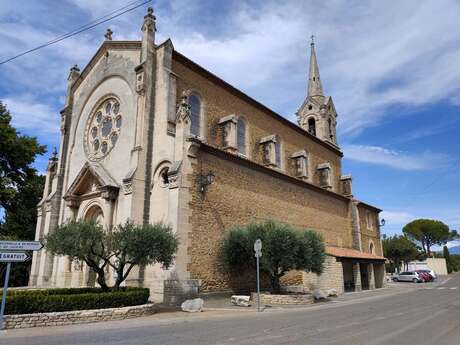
[(149, 135)]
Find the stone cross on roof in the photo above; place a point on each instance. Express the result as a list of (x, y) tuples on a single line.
[(108, 35)]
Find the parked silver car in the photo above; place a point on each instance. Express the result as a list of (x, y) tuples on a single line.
[(408, 276)]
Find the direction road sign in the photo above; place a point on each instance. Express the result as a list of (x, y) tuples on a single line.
[(13, 257), (258, 248), (20, 245), (258, 245)]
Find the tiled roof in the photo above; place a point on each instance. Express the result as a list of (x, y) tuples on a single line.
[(351, 253)]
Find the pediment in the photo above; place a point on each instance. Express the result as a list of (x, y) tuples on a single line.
[(92, 179)]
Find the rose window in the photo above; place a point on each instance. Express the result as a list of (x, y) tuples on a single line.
[(103, 129)]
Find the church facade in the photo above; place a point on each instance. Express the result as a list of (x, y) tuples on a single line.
[(149, 135)]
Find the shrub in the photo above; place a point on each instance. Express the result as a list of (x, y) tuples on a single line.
[(284, 248), (55, 300)]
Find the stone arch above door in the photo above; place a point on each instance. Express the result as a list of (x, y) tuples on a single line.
[(94, 212)]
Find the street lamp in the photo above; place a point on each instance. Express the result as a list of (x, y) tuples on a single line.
[(205, 180)]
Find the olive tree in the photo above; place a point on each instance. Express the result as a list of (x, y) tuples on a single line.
[(284, 248), (124, 247)]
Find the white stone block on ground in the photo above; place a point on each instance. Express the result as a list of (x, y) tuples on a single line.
[(192, 305), (332, 293), (319, 295), (241, 300)]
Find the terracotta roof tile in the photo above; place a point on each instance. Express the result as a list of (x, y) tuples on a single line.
[(351, 253)]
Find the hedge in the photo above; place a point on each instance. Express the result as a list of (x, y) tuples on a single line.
[(55, 300)]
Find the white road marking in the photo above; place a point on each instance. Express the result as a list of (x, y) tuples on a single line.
[(441, 288), (454, 288), (445, 281)]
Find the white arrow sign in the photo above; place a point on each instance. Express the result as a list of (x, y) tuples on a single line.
[(13, 257), (20, 245)]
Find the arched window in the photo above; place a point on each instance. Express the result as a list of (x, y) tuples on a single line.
[(195, 109), (164, 177), (241, 135), (331, 134), (371, 248), (312, 126), (278, 152)]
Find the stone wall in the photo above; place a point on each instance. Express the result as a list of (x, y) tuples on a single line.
[(219, 100), (369, 232), (282, 299), (331, 278), (77, 316), (177, 291), (242, 194)]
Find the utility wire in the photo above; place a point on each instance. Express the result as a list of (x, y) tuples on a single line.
[(83, 28)]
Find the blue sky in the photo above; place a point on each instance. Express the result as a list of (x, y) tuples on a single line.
[(393, 72)]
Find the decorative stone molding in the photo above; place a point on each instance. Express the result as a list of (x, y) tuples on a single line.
[(194, 145), (128, 182), (140, 79), (228, 125), (325, 178), (183, 113), (77, 316), (109, 193), (72, 202), (301, 164), (346, 185), (269, 150), (173, 174)]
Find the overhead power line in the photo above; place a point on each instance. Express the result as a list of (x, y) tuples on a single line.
[(114, 14)]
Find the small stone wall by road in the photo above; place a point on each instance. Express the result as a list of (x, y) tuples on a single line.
[(282, 299), (77, 316)]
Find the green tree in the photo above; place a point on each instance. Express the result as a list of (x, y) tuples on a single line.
[(398, 250), (450, 262), (20, 189), (429, 232), (284, 249), (17, 153), (123, 248)]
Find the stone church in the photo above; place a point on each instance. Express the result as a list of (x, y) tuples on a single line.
[(149, 135)]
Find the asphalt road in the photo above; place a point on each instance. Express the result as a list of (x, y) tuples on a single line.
[(425, 315)]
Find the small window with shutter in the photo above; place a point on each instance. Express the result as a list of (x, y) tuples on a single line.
[(241, 135)]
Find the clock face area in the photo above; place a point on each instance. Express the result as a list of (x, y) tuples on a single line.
[(103, 129)]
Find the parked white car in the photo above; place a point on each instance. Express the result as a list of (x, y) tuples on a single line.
[(408, 276)]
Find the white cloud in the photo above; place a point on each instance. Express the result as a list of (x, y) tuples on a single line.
[(29, 114), (397, 217), (395, 159), (372, 56)]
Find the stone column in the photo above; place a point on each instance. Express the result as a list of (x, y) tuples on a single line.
[(357, 276), (370, 269)]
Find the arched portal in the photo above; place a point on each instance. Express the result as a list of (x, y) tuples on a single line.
[(95, 213)]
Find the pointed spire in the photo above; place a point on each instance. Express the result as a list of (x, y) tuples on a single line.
[(314, 82)]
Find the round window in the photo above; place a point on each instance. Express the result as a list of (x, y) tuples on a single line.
[(103, 129)]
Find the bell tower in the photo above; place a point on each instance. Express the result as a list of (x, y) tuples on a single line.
[(317, 114)]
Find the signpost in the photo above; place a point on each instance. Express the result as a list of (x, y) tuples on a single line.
[(258, 254), (14, 253), (20, 245), (10, 257)]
